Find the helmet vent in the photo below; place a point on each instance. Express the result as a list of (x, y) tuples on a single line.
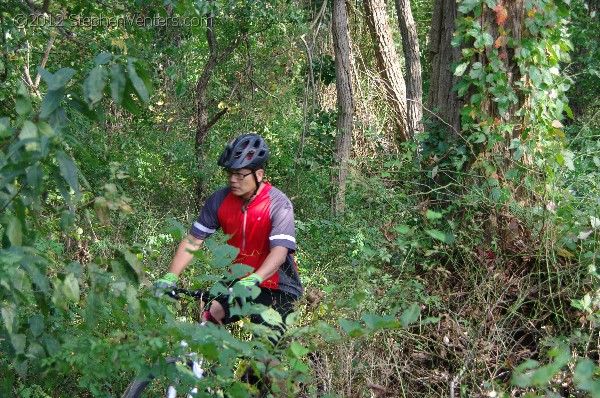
[(248, 151)]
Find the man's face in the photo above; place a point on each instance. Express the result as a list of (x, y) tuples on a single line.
[(242, 183)]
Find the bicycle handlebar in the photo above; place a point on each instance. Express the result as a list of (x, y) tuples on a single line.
[(198, 294)]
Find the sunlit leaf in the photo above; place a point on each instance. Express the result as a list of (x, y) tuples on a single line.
[(433, 215), (298, 350)]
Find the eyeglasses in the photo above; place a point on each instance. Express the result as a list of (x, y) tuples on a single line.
[(237, 176)]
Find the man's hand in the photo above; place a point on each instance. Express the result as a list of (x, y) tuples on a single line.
[(244, 286), (250, 280), (168, 281)]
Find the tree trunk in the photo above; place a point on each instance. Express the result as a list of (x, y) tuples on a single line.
[(442, 99), (388, 64), (345, 99), (414, 83)]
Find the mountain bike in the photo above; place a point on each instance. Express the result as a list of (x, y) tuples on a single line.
[(193, 361)]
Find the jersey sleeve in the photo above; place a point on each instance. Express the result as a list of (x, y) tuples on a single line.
[(208, 221), (283, 232)]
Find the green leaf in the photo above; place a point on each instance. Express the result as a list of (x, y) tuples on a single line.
[(67, 220), (137, 82), (180, 88), (118, 82), (51, 101), (271, 317), (327, 332), (584, 376), (299, 366), (68, 170), (36, 325), (19, 342), (103, 58), (29, 132), (402, 229), (521, 376), (70, 288), (535, 75), (410, 315), (23, 101), (439, 235), (466, 6), (14, 230), (9, 316), (298, 350), (432, 215), (376, 322), (57, 80), (568, 157), (93, 87), (351, 328), (101, 209), (135, 270), (460, 69), (542, 375), (133, 304), (129, 104), (569, 112)]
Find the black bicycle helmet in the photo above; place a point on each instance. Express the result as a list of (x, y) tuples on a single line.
[(248, 151)]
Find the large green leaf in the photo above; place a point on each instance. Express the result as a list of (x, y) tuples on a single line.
[(14, 230), (36, 325), (9, 316), (68, 170), (51, 101), (57, 80), (439, 235), (93, 87), (410, 315), (23, 101), (29, 133), (271, 317), (118, 82), (138, 84)]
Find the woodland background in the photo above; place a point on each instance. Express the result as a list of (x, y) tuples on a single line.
[(442, 158)]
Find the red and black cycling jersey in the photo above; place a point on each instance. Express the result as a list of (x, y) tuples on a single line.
[(254, 228)]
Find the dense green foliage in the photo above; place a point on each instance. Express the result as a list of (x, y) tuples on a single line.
[(464, 264)]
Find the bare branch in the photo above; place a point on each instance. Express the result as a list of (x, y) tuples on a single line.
[(261, 88), (36, 83), (216, 118)]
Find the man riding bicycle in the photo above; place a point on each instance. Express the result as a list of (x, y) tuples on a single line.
[(259, 220)]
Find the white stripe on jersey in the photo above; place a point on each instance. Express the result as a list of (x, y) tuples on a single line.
[(203, 228), (284, 237)]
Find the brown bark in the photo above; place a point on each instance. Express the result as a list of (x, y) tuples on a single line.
[(345, 99), (412, 56), (388, 64), (442, 99)]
